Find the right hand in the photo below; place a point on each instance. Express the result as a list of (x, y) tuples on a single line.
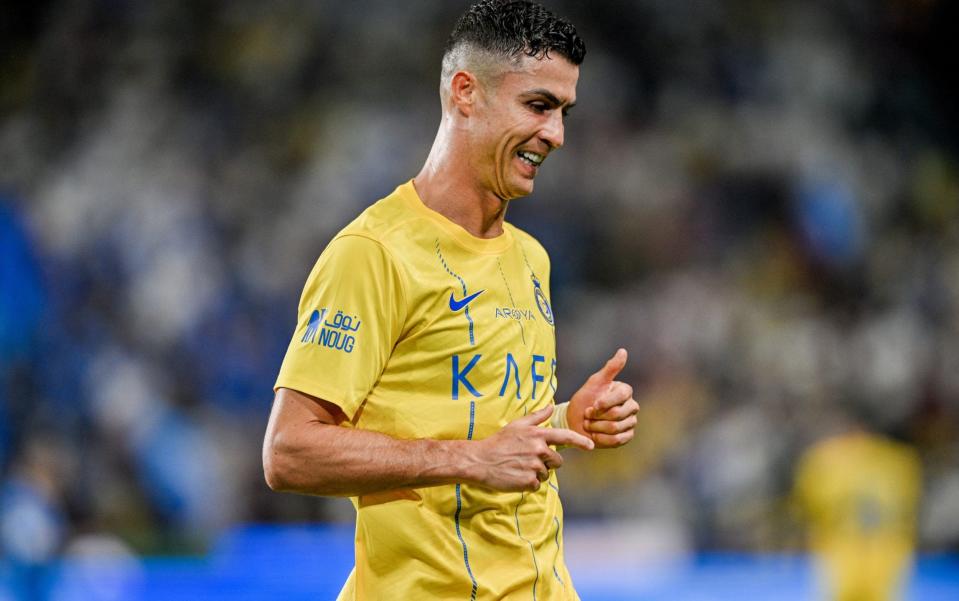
[(519, 457)]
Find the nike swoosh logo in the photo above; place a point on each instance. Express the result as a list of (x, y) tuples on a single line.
[(456, 305)]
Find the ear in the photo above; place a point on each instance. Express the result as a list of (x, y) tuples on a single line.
[(464, 91)]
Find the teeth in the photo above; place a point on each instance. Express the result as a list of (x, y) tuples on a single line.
[(531, 157)]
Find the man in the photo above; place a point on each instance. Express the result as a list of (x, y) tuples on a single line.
[(422, 371), (859, 493)]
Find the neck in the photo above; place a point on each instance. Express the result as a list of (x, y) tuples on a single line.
[(448, 185)]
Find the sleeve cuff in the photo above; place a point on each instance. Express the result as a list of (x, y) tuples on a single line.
[(558, 420)]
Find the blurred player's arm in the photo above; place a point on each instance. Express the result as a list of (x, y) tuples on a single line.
[(306, 450)]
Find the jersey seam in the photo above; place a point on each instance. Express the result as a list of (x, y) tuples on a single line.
[(396, 265)]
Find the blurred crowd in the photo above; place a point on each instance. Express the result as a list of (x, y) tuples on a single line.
[(759, 200)]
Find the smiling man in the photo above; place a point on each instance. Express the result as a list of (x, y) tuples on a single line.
[(420, 379)]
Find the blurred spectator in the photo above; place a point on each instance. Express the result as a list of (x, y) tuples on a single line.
[(32, 520), (21, 310)]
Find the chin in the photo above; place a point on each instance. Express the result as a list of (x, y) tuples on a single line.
[(521, 189)]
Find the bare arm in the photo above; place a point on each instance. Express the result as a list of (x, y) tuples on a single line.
[(305, 450)]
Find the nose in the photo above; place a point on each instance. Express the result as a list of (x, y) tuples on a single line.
[(553, 130)]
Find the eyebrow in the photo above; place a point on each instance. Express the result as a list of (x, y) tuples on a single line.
[(548, 96)]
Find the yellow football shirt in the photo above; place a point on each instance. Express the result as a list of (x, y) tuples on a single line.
[(417, 329), (860, 494)]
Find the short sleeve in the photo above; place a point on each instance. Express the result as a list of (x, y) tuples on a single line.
[(350, 316)]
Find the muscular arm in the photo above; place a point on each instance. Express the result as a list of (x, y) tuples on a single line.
[(306, 451)]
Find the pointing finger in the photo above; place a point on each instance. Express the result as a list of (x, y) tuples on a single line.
[(559, 436), (535, 418)]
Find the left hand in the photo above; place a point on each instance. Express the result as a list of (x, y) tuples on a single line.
[(604, 409)]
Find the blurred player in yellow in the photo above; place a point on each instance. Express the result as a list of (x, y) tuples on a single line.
[(421, 376), (859, 493)]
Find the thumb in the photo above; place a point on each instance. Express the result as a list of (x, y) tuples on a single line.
[(616, 363), (535, 418)]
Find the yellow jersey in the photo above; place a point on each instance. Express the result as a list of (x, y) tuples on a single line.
[(417, 329), (860, 493)]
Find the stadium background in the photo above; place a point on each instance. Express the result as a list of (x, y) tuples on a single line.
[(760, 200)]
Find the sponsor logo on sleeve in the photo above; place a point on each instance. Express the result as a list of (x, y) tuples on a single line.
[(337, 333)]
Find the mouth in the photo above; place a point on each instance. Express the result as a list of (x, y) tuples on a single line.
[(531, 158)]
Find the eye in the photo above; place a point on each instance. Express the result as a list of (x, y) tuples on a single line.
[(538, 107)]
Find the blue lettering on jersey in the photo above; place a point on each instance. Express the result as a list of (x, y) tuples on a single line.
[(336, 333), (514, 313), (511, 367), (337, 340), (512, 375), (532, 372), (460, 376)]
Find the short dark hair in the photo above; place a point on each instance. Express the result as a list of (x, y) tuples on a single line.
[(509, 28)]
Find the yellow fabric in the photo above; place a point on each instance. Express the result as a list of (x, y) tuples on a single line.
[(396, 345), (859, 493)]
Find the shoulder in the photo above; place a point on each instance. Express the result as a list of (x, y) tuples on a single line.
[(381, 218), (388, 222), (367, 243), (531, 247)]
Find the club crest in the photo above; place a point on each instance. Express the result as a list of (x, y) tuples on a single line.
[(541, 301)]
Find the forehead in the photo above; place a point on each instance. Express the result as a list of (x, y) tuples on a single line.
[(554, 74)]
